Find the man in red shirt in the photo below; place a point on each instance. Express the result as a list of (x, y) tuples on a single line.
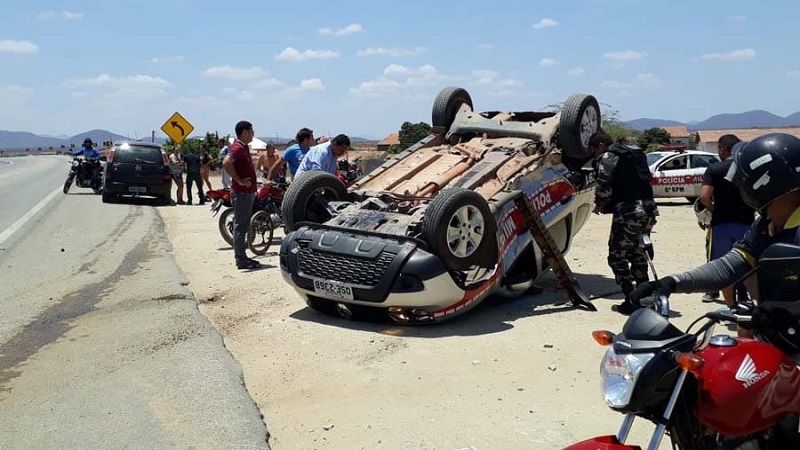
[(239, 165)]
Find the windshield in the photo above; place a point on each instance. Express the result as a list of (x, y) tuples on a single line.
[(137, 154), (653, 157)]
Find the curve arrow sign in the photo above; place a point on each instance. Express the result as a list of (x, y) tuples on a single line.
[(175, 124)]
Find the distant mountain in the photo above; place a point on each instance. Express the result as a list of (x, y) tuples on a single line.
[(19, 140), (749, 119), (96, 136), (643, 124)]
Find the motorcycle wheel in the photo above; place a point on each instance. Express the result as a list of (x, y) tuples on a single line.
[(259, 235), (68, 184), (226, 225)]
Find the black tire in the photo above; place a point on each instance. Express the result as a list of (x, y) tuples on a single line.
[(306, 197), (447, 104), (226, 225), (67, 184), (573, 131), (107, 198), (442, 215), (259, 234)]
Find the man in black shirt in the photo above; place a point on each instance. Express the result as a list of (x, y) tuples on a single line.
[(193, 165), (623, 189), (730, 216)]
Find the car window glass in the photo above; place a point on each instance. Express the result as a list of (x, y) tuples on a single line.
[(134, 154), (676, 163), (652, 158), (702, 161)]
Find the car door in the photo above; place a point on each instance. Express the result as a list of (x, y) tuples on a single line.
[(669, 178), (697, 167)]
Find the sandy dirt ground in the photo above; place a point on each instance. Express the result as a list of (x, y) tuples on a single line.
[(511, 374)]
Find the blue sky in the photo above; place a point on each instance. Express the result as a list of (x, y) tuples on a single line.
[(364, 67)]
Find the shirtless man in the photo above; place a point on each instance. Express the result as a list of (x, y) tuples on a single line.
[(266, 160)]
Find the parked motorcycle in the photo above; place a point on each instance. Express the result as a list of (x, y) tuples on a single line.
[(220, 198), (705, 391), (266, 216), (86, 174)]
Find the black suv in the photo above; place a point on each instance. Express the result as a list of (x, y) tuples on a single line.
[(137, 168)]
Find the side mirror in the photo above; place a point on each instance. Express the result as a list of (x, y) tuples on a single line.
[(646, 244)]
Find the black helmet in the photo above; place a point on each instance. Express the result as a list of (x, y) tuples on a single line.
[(87, 141), (766, 168)]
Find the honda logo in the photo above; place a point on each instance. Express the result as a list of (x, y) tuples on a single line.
[(748, 373)]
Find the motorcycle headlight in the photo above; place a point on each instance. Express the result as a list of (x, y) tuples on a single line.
[(619, 374)]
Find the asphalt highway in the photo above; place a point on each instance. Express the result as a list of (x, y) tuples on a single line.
[(101, 342)]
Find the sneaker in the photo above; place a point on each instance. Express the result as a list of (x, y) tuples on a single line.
[(248, 264), (710, 297), (625, 308)]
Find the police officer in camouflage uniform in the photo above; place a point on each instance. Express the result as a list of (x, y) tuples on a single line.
[(623, 189)]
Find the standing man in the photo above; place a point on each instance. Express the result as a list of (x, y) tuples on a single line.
[(222, 145), (266, 162), (730, 215), (295, 153), (623, 189), (193, 168), (323, 157), (239, 165), (176, 170)]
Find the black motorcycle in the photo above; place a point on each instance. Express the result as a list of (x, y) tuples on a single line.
[(86, 174)]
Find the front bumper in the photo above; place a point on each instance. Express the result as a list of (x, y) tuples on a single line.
[(381, 271)]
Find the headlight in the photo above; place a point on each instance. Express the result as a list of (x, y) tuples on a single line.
[(619, 373)]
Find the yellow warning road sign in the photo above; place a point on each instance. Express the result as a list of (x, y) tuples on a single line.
[(177, 128)]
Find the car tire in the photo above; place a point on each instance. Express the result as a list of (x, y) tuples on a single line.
[(580, 119), (224, 230), (306, 197), (447, 104), (259, 234), (107, 198), (460, 228)]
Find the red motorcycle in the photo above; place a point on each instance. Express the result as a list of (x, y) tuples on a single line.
[(704, 391), (220, 198), (266, 216)]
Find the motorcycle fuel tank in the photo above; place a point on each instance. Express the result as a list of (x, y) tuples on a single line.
[(746, 388)]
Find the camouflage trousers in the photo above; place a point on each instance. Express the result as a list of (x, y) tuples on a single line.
[(626, 259)]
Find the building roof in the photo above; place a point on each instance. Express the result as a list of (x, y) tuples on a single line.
[(746, 134), (677, 132), (391, 139)]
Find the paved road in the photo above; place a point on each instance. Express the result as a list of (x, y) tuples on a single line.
[(101, 343)]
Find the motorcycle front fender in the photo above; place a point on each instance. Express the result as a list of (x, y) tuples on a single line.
[(609, 442)]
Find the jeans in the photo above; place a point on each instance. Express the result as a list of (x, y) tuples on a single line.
[(242, 211), (198, 181)]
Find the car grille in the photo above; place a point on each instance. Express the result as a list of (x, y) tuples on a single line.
[(346, 269)]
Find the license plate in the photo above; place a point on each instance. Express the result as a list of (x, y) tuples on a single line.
[(137, 189), (332, 289)]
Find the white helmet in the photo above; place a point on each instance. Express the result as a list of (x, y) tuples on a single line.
[(702, 213)]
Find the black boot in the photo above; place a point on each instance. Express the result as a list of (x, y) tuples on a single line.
[(627, 306)]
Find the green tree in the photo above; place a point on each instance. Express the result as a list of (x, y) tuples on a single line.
[(411, 133), (652, 137)]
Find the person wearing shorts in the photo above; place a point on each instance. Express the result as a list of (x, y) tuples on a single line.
[(176, 170), (731, 218)]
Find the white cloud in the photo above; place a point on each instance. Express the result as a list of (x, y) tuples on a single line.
[(311, 84), (66, 15), (349, 29), (134, 81), (625, 56), (395, 52), (485, 47), (403, 71), (496, 86), (377, 87), (167, 59), (738, 18), (292, 54), (234, 73), (741, 54), (545, 23), (793, 74), (239, 95), (548, 62), (12, 90), (575, 71), (12, 46), (269, 83), (644, 80)]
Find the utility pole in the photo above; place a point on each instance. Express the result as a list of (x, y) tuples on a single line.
[(153, 136)]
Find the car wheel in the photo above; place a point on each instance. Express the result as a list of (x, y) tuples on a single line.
[(580, 119), (226, 225), (259, 235), (307, 197), (107, 198), (447, 104), (460, 229)]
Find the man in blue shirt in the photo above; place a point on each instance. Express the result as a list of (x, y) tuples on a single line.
[(295, 153), (92, 157), (323, 157)]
